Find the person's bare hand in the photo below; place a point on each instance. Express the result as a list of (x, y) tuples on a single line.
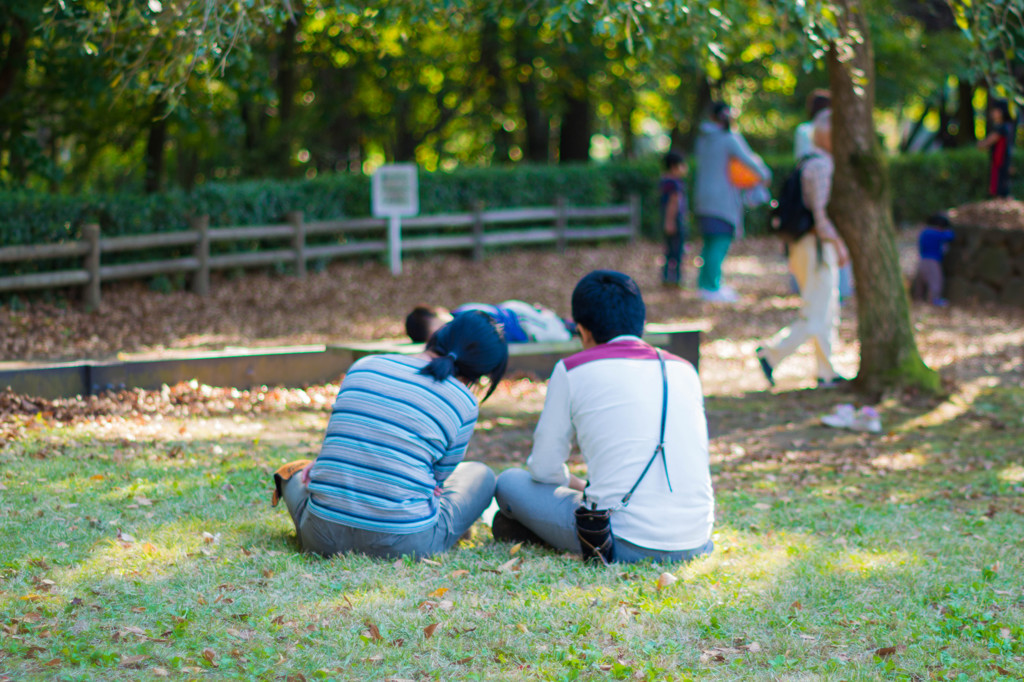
[(304, 474), (843, 253), (437, 491)]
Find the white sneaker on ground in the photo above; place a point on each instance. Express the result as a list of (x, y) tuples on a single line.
[(847, 417), (722, 295), (867, 419), (841, 418)]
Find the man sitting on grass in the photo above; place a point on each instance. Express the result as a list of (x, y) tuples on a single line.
[(612, 397), (521, 321)]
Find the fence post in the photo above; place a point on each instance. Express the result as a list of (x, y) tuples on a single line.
[(634, 217), (561, 223), (91, 233), (298, 241), (478, 231), (201, 277)]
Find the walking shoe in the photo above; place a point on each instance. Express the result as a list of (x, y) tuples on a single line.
[(834, 382), (722, 295), (765, 367), (841, 418), (847, 417), (867, 419)]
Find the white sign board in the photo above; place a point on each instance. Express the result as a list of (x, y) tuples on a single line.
[(396, 193)]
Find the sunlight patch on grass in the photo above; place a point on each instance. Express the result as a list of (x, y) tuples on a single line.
[(899, 461), (865, 562), (957, 405), (1014, 473), (743, 558)]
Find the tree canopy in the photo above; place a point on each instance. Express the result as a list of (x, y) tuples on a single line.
[(150, 94)]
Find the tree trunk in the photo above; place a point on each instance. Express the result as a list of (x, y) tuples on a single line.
[(155, 144), (916, 128), (535, 119), (496, 85), (965, 136), (944, 135), (538, 125), (287, 84), (862, 213), (702, 98), (574, 136), (14, 55), (403, 148)]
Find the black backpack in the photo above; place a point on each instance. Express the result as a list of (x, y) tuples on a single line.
[(790, 218)]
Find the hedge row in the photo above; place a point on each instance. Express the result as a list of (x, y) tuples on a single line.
[(921, 184)]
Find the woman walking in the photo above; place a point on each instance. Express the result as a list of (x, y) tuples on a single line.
[(718, 202)]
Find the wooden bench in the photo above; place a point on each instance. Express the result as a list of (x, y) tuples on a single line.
[(539, 358)]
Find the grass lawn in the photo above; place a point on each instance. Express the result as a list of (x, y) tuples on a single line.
[(137, 541), (149, 553)]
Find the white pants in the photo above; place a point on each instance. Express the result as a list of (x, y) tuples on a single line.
[(818, 279)]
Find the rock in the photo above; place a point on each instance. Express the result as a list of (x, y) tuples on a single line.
[(983, 292), (958, 289), (1013, 291), (1015, 243), (993, 264)]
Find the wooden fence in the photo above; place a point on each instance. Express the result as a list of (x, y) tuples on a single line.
[(558, 225)]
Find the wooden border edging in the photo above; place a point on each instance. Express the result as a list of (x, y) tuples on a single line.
[(288, 366), (540, 358), (241, 368)]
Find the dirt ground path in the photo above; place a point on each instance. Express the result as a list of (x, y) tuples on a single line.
[(975, 348)]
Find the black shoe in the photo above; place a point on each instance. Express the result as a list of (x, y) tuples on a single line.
[(765, 367), (835, 382), (507, 529)]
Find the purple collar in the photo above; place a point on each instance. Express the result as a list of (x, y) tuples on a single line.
[(620, 348)]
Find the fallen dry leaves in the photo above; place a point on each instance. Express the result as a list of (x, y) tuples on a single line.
[(1007, 214), (348, 300), (665, 579), (722, 653)]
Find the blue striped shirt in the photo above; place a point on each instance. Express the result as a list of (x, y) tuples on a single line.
[(394, 435)]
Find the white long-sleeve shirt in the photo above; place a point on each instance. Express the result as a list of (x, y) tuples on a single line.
[(609, 398)]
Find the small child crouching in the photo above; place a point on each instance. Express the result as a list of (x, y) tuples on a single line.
[(932, 245)]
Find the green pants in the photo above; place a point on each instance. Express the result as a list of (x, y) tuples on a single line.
[(716, 246)]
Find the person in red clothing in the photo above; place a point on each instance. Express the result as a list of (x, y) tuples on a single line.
[(999, 142)]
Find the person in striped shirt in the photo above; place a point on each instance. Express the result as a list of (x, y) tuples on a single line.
[(390, 479)]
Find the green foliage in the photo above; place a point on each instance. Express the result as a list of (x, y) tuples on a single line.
[(921, 184)]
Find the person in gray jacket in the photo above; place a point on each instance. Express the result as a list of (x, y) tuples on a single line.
[(718, 202)]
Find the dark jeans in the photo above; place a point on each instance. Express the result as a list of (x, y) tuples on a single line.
[(550, 512), (673, 270)]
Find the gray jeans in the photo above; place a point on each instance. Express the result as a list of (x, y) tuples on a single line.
[(550, 511), (466, 493), (928, 282)]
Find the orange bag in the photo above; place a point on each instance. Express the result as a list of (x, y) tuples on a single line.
[(741, 175)]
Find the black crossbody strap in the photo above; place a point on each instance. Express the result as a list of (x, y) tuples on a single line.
[(661, 436)]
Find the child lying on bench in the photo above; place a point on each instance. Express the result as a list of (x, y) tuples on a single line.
[(522, 321)]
